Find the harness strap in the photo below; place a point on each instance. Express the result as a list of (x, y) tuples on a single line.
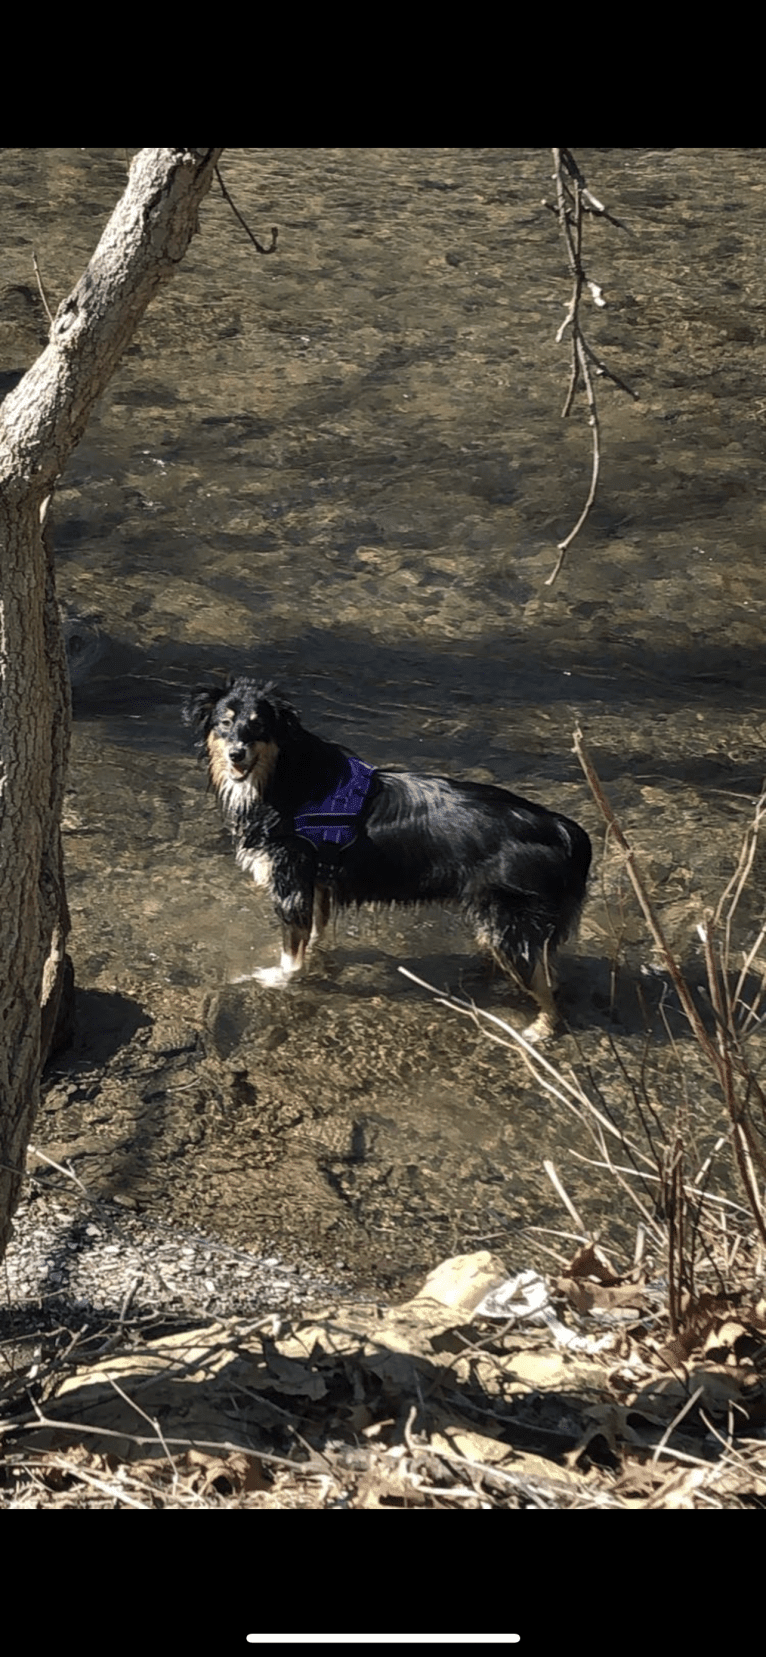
[(333, 821)]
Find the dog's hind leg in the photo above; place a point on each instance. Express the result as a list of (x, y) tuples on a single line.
[(543, 987), (501, 929)]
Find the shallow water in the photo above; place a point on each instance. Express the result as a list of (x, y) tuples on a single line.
[(344, 466)]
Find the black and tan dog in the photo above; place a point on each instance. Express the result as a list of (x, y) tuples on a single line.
[(319, 830)]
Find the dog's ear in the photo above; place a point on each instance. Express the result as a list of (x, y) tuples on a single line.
[(278, 718), (197, 709)]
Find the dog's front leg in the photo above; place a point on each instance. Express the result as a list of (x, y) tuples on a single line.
[(294, 904), (293, 959)]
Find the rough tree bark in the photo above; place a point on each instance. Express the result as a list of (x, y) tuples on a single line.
[(41, 421)]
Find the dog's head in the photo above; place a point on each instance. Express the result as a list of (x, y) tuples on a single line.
[(243, 728)]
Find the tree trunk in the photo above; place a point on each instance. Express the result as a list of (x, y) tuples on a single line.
[(41, 421)]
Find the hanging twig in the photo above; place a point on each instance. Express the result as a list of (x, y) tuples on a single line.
[(41, 289), (235, 210), (573, 200)]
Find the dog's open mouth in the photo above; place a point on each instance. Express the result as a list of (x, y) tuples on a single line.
[(238, 773)]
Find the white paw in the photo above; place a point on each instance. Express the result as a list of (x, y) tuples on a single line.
[(543, 1029), (272, 978)]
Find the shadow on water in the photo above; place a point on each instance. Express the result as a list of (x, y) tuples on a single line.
[(104, 1024), (457, 704)]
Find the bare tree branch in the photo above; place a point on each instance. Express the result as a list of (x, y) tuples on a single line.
[(726, 1053)]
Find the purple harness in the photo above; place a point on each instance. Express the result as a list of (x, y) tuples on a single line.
[(333, 820)]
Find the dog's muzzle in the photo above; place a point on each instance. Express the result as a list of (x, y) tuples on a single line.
[(239, 763)]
